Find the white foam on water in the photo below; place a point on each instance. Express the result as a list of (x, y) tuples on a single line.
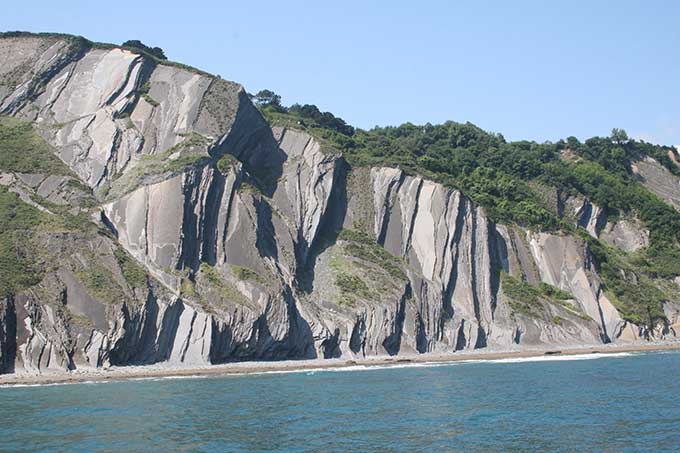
[(556, 357), (369, 367), (88, 382), (340, 369), (366, 367), (189, 376), (14, 386), (54, 384)]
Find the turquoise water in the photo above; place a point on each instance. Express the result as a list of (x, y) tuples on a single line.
[(613, 403)]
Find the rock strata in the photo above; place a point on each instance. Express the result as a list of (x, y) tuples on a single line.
[(222, 239)]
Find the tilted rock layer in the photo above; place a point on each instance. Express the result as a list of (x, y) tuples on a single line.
[(284, 252)]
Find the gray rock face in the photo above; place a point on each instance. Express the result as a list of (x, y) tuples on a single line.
[(659, 180), (28, 62), (460, 255), (105, 109), (628, 235), (280, 254), (587, 215), (8, 329), (564, 262)]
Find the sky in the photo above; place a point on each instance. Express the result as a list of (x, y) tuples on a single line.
[(536, 70)]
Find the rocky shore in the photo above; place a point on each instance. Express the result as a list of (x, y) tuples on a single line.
[(238, 368)]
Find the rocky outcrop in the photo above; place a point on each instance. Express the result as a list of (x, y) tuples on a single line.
[(204, 216), (49, 330), (626, 234), (658, 179), (460, 254), (8, 327), (587, 215), (105, 109), (564, 262), (253, 242)]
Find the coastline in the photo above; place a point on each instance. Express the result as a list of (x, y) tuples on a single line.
[(164, 370)]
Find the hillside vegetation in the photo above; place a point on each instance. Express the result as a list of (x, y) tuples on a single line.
[(509, 179)]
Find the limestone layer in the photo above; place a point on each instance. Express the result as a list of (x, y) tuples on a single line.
[(283, 252)]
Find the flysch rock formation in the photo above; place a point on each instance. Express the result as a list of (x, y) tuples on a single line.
[(659, 180), (283, 253)]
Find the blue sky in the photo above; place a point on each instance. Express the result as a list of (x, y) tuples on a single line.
[(534, 70)]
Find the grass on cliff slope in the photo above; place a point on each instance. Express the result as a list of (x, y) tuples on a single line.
[(633, 292), (530, 300), (351, 287), (191, 151), (19, 268), (100, 282), (221, 286), (246, 274), (361, 245), (133, 272), (22, 150), (363, 269), (523, 183)]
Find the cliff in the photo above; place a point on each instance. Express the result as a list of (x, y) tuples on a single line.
[(206, 235)]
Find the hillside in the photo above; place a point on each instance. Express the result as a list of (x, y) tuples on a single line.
[(151, 212)]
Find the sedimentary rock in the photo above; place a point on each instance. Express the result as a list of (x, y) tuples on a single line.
[(628, 235), (283, 252), (659, 180)]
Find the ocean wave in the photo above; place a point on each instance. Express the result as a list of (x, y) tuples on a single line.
[(188, 376), (557, 357), (352, 368), (49, 384), (384, 366)]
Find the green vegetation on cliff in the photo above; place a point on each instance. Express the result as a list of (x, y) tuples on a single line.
[(497, 174), (22, 150), (18, 267), (362, 246), (522, 183), (530, 300)]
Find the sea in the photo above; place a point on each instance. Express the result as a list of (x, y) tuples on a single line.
[(596, 402)]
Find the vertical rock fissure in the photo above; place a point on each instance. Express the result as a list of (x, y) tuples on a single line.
[(212, 212), (473, 264), (390, 196), (455, 251), (604, 334), (233, 190), (496, 242), (392, 343), (8, 335), (407, 244), (187, 341)]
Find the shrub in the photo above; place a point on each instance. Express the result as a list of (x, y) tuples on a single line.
[(19, 264), (246, 274), (22, 150), (364, 247), (133, 272), (157, 52)]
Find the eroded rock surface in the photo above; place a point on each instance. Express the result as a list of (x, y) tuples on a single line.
[(659, 180), (284, 252)]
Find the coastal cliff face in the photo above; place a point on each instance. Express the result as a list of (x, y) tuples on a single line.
[(214, 237)]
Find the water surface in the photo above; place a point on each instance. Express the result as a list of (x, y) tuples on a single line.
[(624, 402)]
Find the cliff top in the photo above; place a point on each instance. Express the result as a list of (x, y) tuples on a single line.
[(103, 45)]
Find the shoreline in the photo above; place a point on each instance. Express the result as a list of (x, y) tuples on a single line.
[(163, 370)]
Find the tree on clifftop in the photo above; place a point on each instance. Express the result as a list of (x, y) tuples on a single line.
[(619, 136), (137, 44), (267, 98)]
